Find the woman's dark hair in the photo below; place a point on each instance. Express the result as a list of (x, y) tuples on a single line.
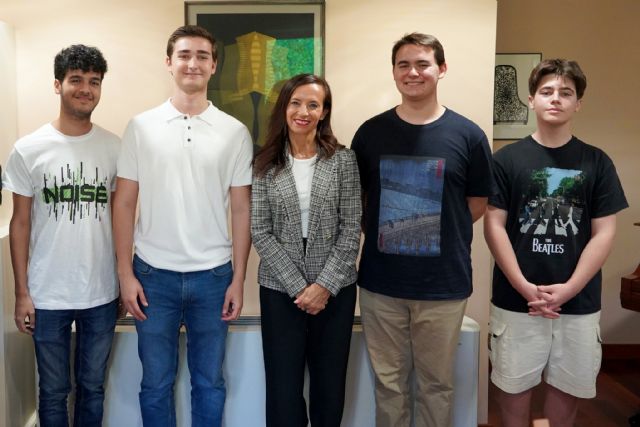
[(274, 152)]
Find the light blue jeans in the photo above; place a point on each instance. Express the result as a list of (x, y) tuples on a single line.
[(194, 299), (52, 339)]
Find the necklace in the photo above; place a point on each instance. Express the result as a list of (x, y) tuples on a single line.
[(301, 156)]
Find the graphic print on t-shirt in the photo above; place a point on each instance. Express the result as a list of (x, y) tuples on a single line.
[(553, 205), (80, 195), (410, 205)]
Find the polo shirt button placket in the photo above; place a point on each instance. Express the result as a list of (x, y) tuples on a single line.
[(188, 137)]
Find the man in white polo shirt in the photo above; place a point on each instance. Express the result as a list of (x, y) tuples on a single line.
[(185, 162)]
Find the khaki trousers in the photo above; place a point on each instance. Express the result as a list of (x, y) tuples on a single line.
[(403, 335)]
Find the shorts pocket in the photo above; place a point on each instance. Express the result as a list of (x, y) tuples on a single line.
[(597, 359), (497, 331)]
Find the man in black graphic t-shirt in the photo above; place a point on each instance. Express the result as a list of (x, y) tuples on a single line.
[(425, 173), (547, 281)]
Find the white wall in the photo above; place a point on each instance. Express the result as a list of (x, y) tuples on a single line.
[(359, 35), (8, 112)]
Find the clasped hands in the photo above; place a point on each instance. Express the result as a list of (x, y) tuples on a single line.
[(547, 300), (312, 299)]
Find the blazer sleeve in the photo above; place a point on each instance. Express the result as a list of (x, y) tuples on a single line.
[(341, 262), (271, 252)]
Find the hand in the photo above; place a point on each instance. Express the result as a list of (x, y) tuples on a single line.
[(232, 302), (313, 299), (532, 294), (24, 309), (553, 296), (130, 293)]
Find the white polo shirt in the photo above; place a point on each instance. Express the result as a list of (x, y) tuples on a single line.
[(184, 166)]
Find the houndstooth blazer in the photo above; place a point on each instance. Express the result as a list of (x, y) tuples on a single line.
[(333, 238)]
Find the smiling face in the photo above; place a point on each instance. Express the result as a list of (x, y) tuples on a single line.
[(555, 100), (305, 110), (416, 73), (79, 93), (191, 64)]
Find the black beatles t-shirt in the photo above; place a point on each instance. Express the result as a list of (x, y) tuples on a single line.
[(551, 195), (415, 181)]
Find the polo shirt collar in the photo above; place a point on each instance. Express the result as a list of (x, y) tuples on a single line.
[(169, 113)]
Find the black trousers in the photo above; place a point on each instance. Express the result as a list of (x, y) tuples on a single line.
[(292, 338)]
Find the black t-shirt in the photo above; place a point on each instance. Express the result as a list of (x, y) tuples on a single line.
[(551, 195), (415, 180)]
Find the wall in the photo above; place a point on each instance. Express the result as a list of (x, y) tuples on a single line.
[(604, 38), (359, 36), (8, 113)]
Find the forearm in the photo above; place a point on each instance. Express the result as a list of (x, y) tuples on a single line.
[(241, 243), (341, 261), (592, 258), (271, 251), (502, 251), (500, 246), (19, 233), (124, 211)]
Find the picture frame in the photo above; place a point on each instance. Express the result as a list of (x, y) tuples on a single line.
[(512, 117), (260, 46)]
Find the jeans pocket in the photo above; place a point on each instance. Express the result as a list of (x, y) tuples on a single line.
[(141, 267), (223, 270)]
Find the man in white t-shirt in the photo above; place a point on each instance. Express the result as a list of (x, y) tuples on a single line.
[(185, 162), (62, 176)]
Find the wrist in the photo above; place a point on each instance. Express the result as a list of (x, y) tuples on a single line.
[(125, 274), (22, 294)]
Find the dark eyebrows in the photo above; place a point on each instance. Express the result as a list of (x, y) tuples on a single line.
[(550, 87), (198, 52), (418, 62)]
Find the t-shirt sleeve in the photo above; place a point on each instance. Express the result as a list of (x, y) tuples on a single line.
[(128, 159), (608, 195), (480, 182), (16, 177), (357, 147), (500, 198), (242, 170)]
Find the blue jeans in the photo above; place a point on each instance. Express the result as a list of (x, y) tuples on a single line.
[(194, 299), (52, 338)]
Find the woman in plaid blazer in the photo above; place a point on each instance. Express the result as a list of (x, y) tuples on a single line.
[(305, 225)]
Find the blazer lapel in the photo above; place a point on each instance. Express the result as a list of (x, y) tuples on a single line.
[(286, 186), (322, 179)]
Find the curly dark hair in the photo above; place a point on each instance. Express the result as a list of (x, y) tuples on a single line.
[(79, 57), (274, 152)]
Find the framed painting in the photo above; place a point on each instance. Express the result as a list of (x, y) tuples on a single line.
[(260, 46), (512, 118)]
